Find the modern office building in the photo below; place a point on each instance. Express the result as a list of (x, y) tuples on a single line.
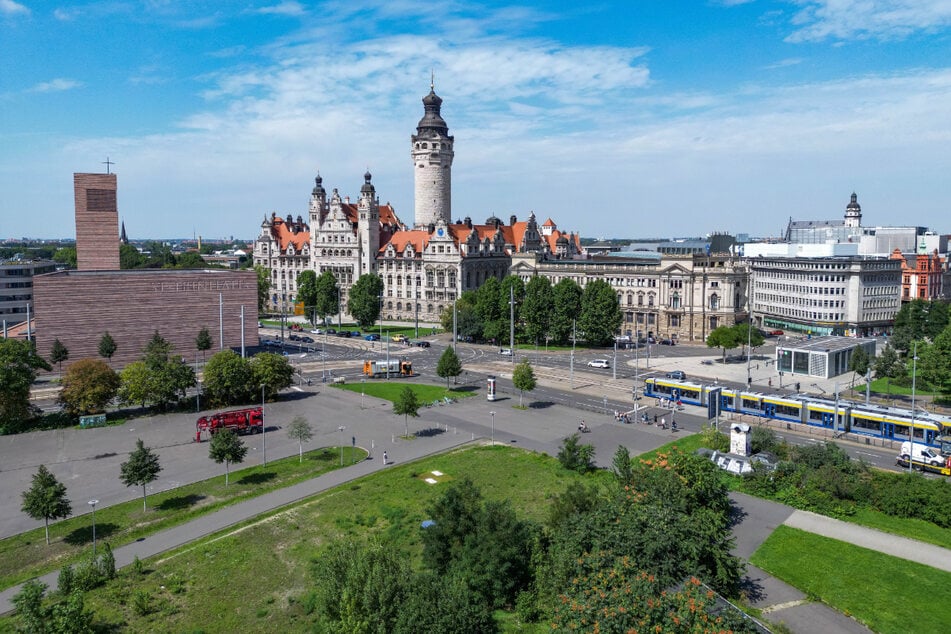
[(16, 288)]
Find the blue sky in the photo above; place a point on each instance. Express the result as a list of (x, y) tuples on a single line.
[(616, 118)]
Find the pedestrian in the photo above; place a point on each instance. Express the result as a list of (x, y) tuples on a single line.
[(663, 423), (655, 418), (384, 458), (771, 381)]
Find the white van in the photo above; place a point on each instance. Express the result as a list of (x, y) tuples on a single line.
[(922, 453)]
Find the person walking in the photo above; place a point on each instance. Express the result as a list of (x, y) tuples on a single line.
[(384, 458)]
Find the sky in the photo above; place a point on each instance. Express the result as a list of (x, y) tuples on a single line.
[(627, 118)]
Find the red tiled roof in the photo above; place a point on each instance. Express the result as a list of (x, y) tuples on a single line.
[(285, 236), (548, 223), (400, 239)]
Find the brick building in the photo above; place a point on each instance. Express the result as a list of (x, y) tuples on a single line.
[(921, 275), (97, 222)]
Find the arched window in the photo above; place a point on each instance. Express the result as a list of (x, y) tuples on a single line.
[(650, 299), (675, 300), (714, 302), (630, 299), (640, 299)]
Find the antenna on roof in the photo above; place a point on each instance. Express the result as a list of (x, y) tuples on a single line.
[(432, 79)]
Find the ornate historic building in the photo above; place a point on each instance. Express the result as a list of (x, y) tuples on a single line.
[(424, 267)]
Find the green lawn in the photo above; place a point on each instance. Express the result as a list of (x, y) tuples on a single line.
[(882, 387), (886, 593), (215, 585), (27, 555), (390, 390)]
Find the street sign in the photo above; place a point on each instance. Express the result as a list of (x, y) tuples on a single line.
[(713, 403)]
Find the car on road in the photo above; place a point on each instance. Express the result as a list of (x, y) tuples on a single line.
[(422, 344), (354, 333), (372, 337), (344, 333), (294, 337), (599, 363), (505, 352), (775, 333), (668, 342), (680, 375), (307, 339), (331, 331), (399, 338), (316, 331)]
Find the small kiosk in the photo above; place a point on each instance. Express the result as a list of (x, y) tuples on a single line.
[(490, 388)]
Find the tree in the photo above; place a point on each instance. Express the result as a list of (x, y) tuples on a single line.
[(489, 309), (566, 306), (511, 288), (130, 258), (536, 308), (46, 499), (159, 385), (523, 378), (273, 371), (889, 366), (746, 333), (18, 366), (228, 448), (307, 292), (203, 342), (935, 362), (858, 363), (65, 255), (600, 313), (910, 325), (229, 379), (468, 322), (328, 295), (449, 365), (301, 431), (723, 337), (264, 286), (190, 260), (574, 456), (141, 468), (107, 346), (87, 387), (623, 470), (406, 404), (59, 353), (157, 351), (364, 302)]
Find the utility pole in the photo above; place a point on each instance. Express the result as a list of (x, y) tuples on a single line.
[(571, 366), (512, 322)]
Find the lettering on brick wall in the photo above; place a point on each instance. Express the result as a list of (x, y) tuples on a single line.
[(198, 286)]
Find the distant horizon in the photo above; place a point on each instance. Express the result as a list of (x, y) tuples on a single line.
[(616, 117)]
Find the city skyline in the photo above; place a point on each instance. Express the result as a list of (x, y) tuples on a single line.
[(723, 116)]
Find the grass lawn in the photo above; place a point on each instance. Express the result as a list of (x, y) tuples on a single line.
[(255, 577), (390, 390), (883, 387), (27, 555), (886, 593), (687, 444)]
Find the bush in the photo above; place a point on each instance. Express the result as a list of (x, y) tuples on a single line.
[(141, 602), (65, 581), (106, 563), (86, 575), (714, 439)]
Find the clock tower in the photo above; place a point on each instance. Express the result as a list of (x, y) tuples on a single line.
[(432, 165)]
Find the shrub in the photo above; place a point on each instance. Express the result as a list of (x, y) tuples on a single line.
[(141, 602), (65, 581)]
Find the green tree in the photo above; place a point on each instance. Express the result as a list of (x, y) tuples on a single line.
[(566, 306), (157, 380), (190, 260), (87, 387), (511, 288), (489, 309), (228, 448), (449, 365), (364, 301), (937, 320), (859, 363), (468, 322), (746, 333), (307, 293), (229, 379), (523, 378), (623, 469), (600, 313), (65, 255), (301, 431), (59, 353), (574, 456), (264, 286), (724, 337), (141, 469), (406, 405), (30, 610), (935, 362), (18, 367), (157, 351), (273, 371), (328, 295), (130, 258), (444, 604), (889, 366), (203, 342), (107, 346), (537, 308), (46, 499)]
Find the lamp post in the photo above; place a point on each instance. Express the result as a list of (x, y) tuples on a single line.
[(263, 429), (93, 504), (911, 430), (340, 429), (493, 427)]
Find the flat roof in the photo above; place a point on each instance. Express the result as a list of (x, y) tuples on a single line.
[(824, 344), (130, 272)]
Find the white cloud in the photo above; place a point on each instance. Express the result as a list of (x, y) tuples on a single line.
[(784, 63), (284, 8), (9, 7), (881, 19), (66, 15), (56, 85)]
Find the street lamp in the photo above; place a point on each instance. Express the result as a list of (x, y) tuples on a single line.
[(911, 430), (263, 429), (340, 429), (493, 427), (93, 504)]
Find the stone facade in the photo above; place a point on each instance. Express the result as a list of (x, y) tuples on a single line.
[(77, 307), (432, 156), (674, 297), (97, 222)]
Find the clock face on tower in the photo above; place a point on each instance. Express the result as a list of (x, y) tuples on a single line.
[(439, 232)]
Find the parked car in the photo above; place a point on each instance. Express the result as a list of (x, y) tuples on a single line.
[(599, 363), (505, 352), (668, 342), (316, 331), (294, 337), (399, 338), (372, 337), (307, 339), (344, 333), (260, 325), (422, 344), (680, 375), (354, 333), (776, 333), (331, 331)]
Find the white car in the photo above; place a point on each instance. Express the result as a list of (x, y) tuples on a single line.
[(316, 331), (505, 352), (599, 363)]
